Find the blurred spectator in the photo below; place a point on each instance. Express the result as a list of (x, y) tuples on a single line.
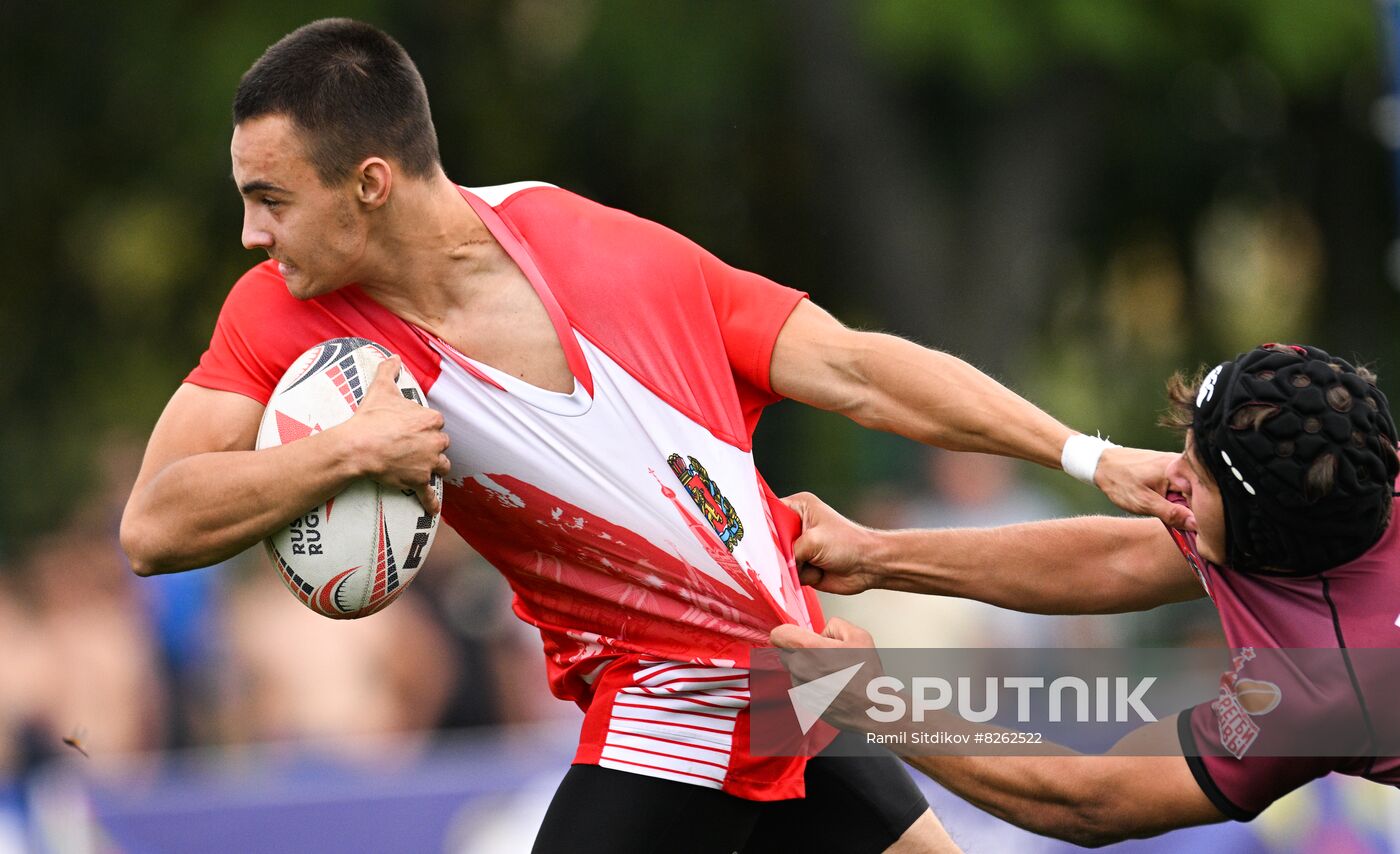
[(286, 673), (976, 491), (501, 677), (22, 675), (94, 674), (448, 654), (181, 609)]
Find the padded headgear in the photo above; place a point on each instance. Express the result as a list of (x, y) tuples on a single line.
[(1267, 418)]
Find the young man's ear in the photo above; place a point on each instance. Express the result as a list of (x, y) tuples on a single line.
[(373, 182)]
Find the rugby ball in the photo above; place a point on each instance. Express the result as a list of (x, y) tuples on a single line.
[(357, 552)]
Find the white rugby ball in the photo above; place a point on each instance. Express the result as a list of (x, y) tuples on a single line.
[(357, 552)]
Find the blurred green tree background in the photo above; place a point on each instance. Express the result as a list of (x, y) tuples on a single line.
[(1078, 195)]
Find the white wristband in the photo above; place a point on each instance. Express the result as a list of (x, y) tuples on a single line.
[(1080, 457)]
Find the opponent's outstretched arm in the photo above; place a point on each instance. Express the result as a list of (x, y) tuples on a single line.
[(204, 495), (1143, 787), (1087, 800), (888, 383), (1085, 565)]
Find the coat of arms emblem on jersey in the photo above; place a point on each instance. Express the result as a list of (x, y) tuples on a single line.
[(713, 505)]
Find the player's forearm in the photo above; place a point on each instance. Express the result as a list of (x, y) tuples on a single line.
[(938, 399), (1043, 786), (1141, 788), (1050, 795), (1052, 792), (1085, 565), (208, 507)]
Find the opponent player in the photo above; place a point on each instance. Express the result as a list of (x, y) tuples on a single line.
[(1289, 467), (595, 381)]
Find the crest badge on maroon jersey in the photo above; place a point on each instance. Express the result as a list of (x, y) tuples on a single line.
[(1240, 701), (705, 493)]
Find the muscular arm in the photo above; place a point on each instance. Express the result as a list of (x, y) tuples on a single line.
[(887, 383), (1142, 787), (1086, 565), (1087, 800), (204, 495)]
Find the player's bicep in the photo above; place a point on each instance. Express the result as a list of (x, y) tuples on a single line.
[(199, 420), (1146, 786), (1164, 566), (815, 360), (1158, 568)]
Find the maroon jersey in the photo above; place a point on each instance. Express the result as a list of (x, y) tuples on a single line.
[(1353, 609)]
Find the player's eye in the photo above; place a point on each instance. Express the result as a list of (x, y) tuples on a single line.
[(271, 204)]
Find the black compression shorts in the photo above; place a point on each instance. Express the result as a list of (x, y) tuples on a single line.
[(854, 804)]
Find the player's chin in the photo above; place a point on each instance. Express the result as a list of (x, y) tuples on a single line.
[(304, 286), (1210, 550), (295, 280)]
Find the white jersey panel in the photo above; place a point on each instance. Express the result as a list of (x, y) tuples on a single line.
[(494, 195), (609, 456)]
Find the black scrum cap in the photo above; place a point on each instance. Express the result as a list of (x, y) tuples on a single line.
[(1264, 422)]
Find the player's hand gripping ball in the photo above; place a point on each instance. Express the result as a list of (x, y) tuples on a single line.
[(356, 553)]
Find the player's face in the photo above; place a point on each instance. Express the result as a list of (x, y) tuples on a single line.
[(1187, 476), (314, 232)]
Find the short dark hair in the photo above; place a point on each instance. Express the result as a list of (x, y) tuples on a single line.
[(352, 90)]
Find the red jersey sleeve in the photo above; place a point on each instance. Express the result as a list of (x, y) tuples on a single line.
[(255, 337), (751, 311), (696, 331), (262, 329)]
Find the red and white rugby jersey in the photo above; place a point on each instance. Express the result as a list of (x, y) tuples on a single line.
[(627, 515)]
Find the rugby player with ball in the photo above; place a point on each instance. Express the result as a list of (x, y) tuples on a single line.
[(592, 383)]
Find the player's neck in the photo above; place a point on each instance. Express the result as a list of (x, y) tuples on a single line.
[(421, 261)]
